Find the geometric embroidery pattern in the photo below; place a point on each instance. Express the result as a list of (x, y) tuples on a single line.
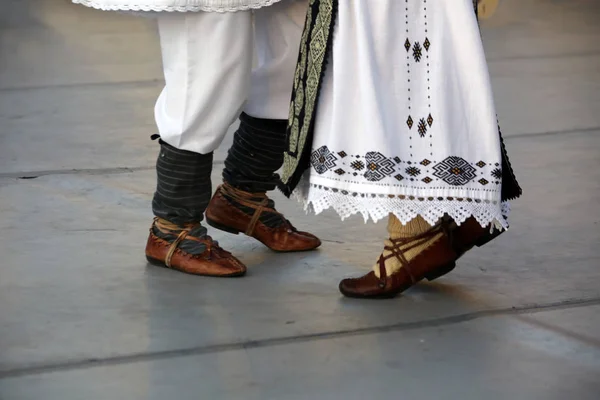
[(422, 127), (409, 122), (455, 171), (378, 166), (430, 120), (313, 52), (426, 44), (358, 165), (417, 52), (413, 171), (322, 159), (375, 166)]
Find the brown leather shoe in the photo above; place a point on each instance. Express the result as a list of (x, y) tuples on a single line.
[(438, 254), (228, 216), (470, 234), (464, 237), (214, 261)]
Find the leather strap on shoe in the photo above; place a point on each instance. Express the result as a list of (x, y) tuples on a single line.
[(174, 246), (397, 251), (257, 201), (182, 232)]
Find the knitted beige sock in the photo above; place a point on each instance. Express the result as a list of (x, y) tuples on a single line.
[(398, 231)]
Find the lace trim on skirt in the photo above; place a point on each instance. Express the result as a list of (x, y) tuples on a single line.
[(405, 208)]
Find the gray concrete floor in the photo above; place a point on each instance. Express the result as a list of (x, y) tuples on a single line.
[(83, 317)]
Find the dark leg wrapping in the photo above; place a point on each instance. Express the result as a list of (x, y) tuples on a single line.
[(183, 191), (256, 153)]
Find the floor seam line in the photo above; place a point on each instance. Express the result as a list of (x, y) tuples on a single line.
[(272, 342)]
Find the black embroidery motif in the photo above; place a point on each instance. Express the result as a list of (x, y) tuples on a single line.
[(358, 165), (400, 196), (455, 171), (417, 52), (323, 160), (413, 171), (378, 166), (375, 166), (426, 44), (430, 120), (422, 127)]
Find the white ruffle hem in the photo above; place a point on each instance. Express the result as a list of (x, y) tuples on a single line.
[(176, 5)]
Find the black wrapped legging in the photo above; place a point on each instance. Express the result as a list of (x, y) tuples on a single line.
[(184, 187)]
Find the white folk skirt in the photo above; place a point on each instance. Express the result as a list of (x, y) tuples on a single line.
[(406, 122)]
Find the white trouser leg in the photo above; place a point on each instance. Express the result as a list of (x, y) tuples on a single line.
[(278, 29), (207, 62)]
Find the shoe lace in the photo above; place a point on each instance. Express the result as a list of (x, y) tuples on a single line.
[(182, 232), (260, 202), (402, 245)]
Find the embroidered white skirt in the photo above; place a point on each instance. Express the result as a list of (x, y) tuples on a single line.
[(406, 122)]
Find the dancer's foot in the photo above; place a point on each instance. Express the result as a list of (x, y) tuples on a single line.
[(182, 248), (233, 210), (463, 238), (405, 261)]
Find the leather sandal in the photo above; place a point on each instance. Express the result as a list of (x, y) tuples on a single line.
[(464, 237), (229, 216), (437, 254), (214, 261)]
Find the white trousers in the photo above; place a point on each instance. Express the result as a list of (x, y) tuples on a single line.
[(208, 68)]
